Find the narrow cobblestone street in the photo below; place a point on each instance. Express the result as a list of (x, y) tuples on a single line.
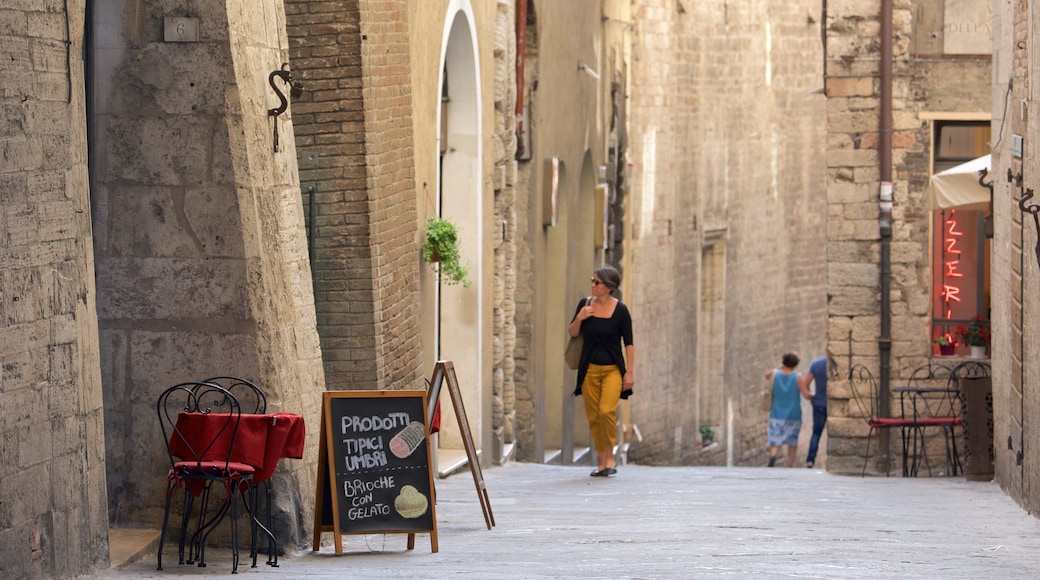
[(682, 522)]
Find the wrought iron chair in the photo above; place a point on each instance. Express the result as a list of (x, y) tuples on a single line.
[(865, 393), (253, 401), (198, 459), (969, 369), (251, 398), (927, 400)]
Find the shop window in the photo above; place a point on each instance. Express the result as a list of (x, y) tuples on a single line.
[(960, 249)]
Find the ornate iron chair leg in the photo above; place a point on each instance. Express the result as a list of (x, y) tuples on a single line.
[(272, 543), (189, 502), (866, 455), (165, 522), (234, 532)]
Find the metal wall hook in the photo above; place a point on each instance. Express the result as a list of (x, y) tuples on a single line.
[(1034, 210), (295, 90)]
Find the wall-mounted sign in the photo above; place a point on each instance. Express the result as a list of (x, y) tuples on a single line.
[(1016, 146), (180, 29), (550, 191), (602, 234), (966, 27)]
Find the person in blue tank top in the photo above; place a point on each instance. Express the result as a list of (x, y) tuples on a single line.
[(817, 374), (785, 413)]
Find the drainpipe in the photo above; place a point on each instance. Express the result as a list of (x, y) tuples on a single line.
[(521, 51), (885, 217)]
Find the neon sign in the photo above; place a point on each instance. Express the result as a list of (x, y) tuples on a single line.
[(951, 290)]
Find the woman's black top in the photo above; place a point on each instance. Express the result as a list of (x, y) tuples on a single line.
[(602, 338)]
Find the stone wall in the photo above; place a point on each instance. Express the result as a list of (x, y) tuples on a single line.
[(1016, 267), (200, 251), (53, 509), (726, 222), (508, 204), (926, 84)]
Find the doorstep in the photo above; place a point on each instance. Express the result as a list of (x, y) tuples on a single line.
[(127, 545)]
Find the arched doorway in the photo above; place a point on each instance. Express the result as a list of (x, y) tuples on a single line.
[(458, 309)]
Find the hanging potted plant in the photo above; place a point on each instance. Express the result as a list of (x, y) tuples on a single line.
[(976, 335), (441, 246)]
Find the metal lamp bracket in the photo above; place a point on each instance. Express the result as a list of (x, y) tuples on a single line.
[(1030, 208), (295, 90)]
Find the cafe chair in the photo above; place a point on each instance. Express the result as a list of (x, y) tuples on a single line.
[(865, 393), (253, 401), (969, 370), (200, 457), (250, 397), (928, 401)]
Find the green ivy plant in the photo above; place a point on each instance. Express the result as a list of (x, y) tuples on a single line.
[(442, 246)]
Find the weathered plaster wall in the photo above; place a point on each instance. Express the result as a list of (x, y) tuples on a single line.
[(554, 263)]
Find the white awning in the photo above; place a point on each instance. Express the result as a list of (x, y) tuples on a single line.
[(959, 186)]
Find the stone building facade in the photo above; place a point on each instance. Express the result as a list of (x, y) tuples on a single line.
[(53, 504), (885, 306), (1016, 263)]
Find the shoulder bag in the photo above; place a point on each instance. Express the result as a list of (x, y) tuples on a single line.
[(572, 356)]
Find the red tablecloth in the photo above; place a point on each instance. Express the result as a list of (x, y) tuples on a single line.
[(261, 440)]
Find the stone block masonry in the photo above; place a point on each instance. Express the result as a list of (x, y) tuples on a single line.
[(55, 522)]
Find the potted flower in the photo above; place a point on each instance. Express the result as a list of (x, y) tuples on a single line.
[(442, 246), (707, 435), (947, 345), (976, 335)]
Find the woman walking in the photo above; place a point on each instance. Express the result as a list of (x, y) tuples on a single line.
[(785, 413), (604, 373)]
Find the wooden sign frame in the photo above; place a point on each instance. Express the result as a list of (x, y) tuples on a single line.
[(386, 429), (445, 369)]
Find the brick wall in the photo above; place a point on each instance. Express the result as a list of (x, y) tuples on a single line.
[(353, 132)]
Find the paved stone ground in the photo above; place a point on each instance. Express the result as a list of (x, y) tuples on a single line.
[(682, 522)]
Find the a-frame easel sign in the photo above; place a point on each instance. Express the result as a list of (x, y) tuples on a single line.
[(444, 372), (374, 473)]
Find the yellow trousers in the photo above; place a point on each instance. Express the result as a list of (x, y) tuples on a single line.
[(601, 391)]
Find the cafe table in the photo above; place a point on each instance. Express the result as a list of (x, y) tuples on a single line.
[(260, 442)]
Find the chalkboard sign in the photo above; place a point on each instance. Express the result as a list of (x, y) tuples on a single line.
[(444, 372), (374, 473)]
